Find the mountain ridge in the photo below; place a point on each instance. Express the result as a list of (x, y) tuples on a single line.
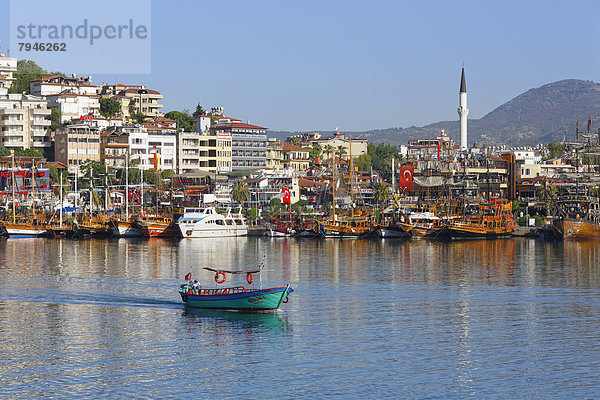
[(538, 115)]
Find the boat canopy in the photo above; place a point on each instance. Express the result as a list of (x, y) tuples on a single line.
[(231, 272)]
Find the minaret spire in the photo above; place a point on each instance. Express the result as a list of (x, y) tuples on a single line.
[(463, 111)]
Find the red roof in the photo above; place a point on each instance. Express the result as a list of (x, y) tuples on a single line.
[(238, 125), (292, 147), (135, 91)]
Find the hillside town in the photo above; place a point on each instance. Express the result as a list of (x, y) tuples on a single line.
[(68, 138)]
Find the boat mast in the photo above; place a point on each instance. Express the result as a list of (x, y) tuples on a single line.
[(106, 189), (61, 200), (333, 181), (91, 191), (33, 187), (12, 154), (76, 192), (351, 178), (127, 186)]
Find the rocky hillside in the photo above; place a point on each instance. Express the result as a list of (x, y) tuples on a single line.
[(536, 116)]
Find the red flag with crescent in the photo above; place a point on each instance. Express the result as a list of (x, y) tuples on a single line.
[(286, 196), (188, 276), (406, 177)]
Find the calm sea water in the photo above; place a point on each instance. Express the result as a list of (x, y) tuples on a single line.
[(368, 319)]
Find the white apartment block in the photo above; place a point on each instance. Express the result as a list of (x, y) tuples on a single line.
[(74, 106), (188, 152), (143, 145), (73, 97), (24, 122), (8, 66)]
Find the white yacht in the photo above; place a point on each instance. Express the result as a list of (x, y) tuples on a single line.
[(207, 222)]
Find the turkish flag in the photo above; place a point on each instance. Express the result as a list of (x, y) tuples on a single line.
[(188, 276), (286, 196), (406, 177)]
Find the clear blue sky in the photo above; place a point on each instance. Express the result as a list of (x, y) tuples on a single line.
[(357, 65)]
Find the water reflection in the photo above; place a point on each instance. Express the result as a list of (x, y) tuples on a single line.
[(225, 323)]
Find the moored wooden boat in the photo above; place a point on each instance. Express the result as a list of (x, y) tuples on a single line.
[(493, 221), (157, 226), (85, 227), (23, 227), (233, 298), (124, 227), (348, 226), (579, 217), (3, 232)]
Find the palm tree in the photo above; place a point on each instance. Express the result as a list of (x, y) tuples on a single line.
[(381, 192), (316, 151), (328, 149), (341, 151), (240, 192)]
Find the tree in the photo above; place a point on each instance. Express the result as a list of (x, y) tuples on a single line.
[(381, 158), (139, 118), (240, 192), (363, 162), (183, 119), (54, 119), (55, 175), (251, 215), (341, 151), (555, 149), (294, 140), (132, 108), (328, 150), (315, 152), (27, 71), (5, 152), (109, 108), (199, 111), (381, 192)]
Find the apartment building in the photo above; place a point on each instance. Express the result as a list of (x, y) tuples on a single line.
[(24, 122), (73, 97), (359, 146), (8, 66), (138, 97), (77, 143), (114, 147)]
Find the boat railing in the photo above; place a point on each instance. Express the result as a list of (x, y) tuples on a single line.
[(215, 292)]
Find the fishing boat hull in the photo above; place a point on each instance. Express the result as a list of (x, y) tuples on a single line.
[(124, 229), (576, 228), (236, 298), (23, 230), (343, 233), (280, 234), (476, 232), (393, 232), (3, 231), (152, 229)]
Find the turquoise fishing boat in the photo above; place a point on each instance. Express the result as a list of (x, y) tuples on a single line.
[(233, 298)]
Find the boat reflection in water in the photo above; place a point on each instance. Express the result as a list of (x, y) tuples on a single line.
[(233, 322)]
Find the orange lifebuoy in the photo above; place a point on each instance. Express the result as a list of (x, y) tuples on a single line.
[(249, 278), (221, 280)]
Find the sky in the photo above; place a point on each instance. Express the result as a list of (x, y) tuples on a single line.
[(353, 65)]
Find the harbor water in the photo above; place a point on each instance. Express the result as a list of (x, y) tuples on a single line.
[(513, 318)]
